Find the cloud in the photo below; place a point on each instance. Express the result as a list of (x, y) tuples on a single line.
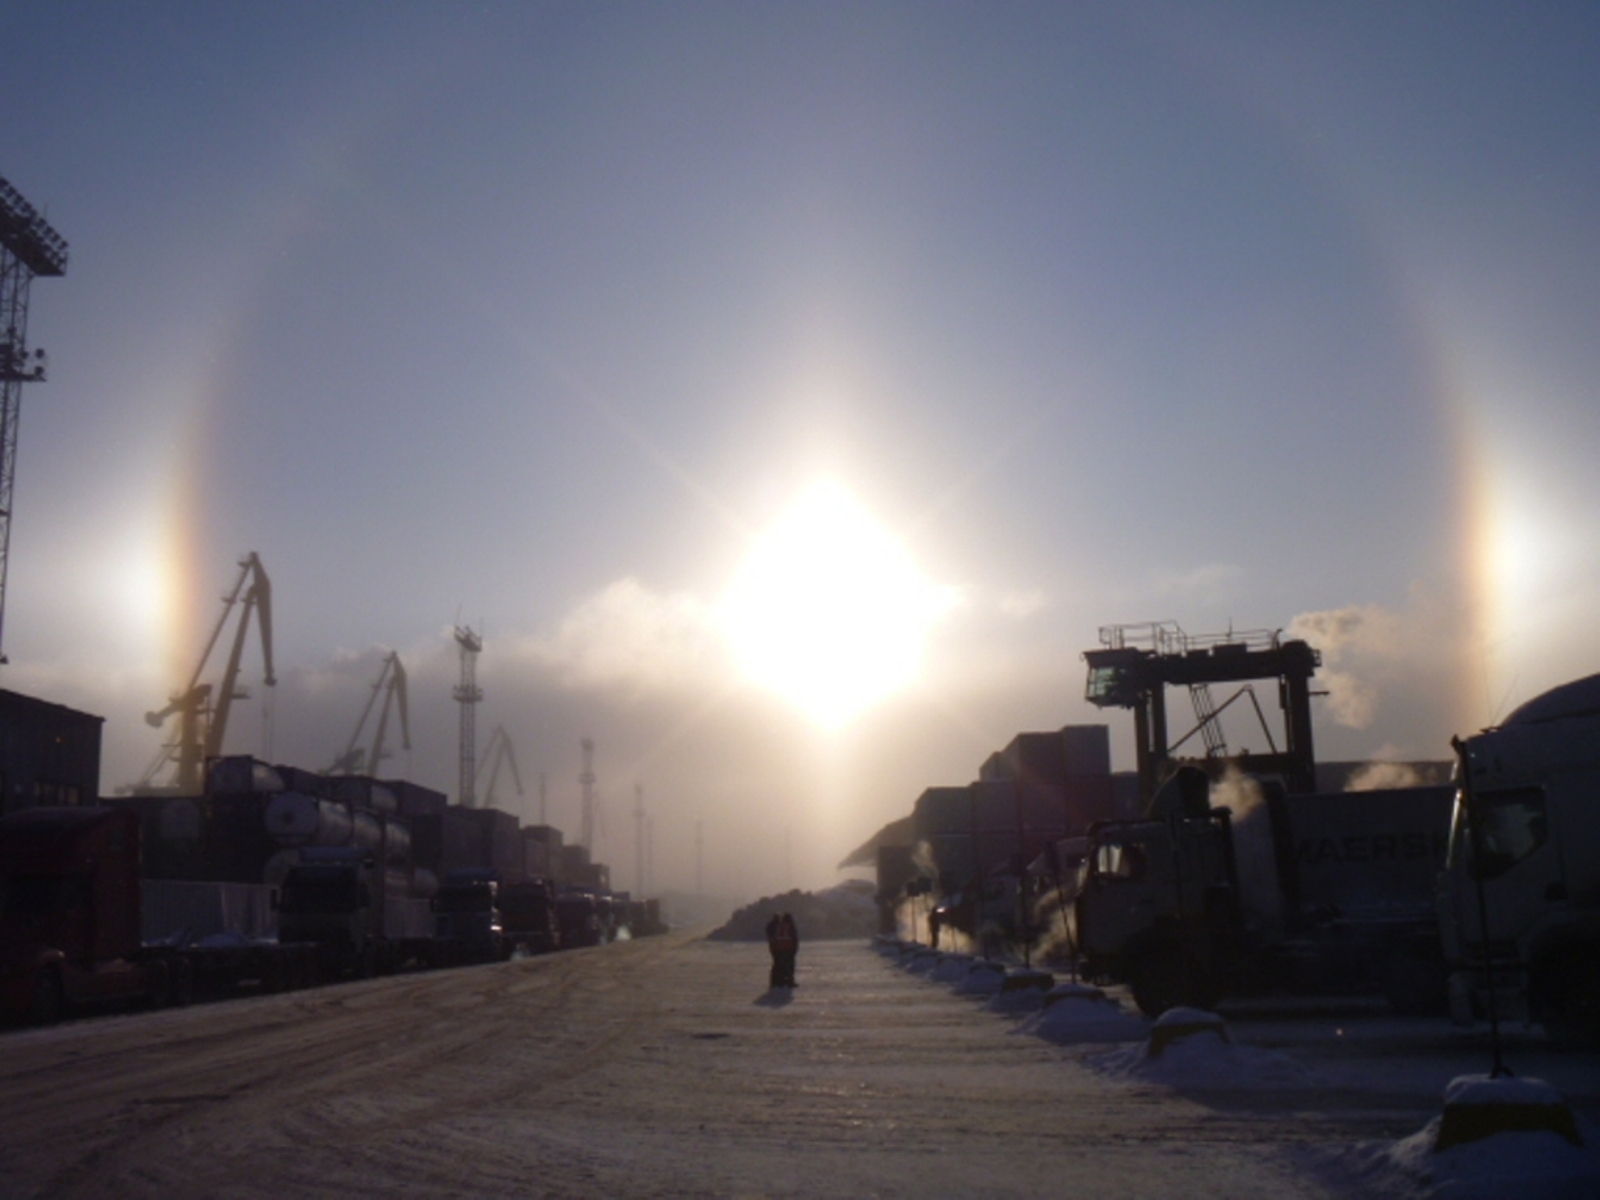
[(1209, 580), (1405, 665), (1377, 776), (1359, 645), (628, 637), (1019, 606), (1356, 629)]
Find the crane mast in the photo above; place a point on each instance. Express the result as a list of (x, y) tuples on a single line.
[(468, 694), (28, 247)]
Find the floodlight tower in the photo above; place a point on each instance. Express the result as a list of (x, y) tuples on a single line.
[(28, 247), (468, 694), (586, 818)]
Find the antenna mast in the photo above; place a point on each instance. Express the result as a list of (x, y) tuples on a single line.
[(468, 694), (28, 247)]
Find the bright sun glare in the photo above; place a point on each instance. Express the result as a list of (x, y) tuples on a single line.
[(829, 611)]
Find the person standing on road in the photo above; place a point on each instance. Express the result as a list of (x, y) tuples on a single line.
[(783, 941)]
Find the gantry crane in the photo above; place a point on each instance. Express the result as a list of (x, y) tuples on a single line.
[(202, 721), (391, 682), (498, 750)]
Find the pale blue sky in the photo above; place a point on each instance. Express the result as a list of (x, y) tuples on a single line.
[(1221, 312)]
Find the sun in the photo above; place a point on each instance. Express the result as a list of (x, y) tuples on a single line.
[(830, 611)]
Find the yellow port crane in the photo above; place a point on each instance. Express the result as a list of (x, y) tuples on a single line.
[(391, 682), (202, 723)]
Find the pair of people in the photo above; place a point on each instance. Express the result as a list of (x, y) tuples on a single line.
[(783, 940)]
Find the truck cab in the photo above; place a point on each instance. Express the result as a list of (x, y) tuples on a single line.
[(332, 898), (528, 911), (1520, 897), (468, 925), (1156, 908)]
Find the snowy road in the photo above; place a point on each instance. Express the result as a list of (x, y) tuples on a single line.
[(658, 1068)]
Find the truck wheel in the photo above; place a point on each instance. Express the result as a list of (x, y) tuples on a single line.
[(181, 984), (1571, 1014), (1160, 980), (1166, 977), (158, 985), (49, 999)]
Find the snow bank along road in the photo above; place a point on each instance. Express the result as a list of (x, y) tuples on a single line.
[(650, 1068)]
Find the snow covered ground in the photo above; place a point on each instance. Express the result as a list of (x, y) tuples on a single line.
[(1362, 1066), (663, 1068)]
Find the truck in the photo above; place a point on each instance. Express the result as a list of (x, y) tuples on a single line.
[(1303, 894), (468, 927), (528, 912), (359, 914), (578, 915), (1520, 897), (72, 916)]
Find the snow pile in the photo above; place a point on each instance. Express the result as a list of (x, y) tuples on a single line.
[(1524, 1162), (983, 978), (1076, 1013), (1204, 1058), (951, 968), (921, 961), (1024, 990), (846, 911)]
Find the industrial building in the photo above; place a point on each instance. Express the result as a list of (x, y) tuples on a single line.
[(49, 753)]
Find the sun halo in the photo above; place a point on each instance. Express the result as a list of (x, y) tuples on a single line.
[(829, 610)]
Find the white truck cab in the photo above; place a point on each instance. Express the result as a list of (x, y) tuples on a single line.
[(1520, 897)]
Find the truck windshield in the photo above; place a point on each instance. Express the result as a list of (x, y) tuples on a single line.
[(27, 897), (531, 907), (313, 893), (1117, 860), (1514, 826), (476, 900)]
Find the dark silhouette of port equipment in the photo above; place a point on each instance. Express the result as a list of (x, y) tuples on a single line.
[(587, 781), (203, 711), (28, 247), (469, 695), (1137, 663), (391, 685), (499, 753)]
